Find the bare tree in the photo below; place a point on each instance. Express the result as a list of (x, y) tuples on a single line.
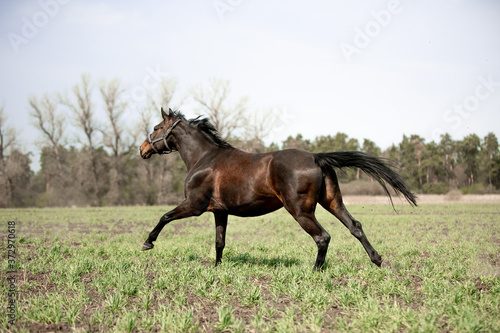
[(155, 100), (49, 122), (163, 97), (145, 124), (7, 170), (257, 127), (112, 95), (226, 117), (83, 110), (7, 135)]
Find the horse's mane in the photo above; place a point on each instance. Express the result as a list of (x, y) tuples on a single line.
[(206, 127)]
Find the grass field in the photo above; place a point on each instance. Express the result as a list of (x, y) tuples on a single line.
[(82, 270)]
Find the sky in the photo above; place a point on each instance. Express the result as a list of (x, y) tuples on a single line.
[(371, 69)]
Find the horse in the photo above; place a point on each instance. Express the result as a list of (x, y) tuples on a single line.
[(226, 181)]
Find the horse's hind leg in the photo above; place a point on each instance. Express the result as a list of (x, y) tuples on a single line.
[(334, 204), (309, 223), (356, 230), (302, 207)]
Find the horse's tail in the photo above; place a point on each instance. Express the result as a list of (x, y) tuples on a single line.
[(376, 168)]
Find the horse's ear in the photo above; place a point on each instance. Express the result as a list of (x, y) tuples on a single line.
[(164, 115), (170, 112)]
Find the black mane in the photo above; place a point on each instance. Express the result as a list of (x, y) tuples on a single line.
[(206, 127)]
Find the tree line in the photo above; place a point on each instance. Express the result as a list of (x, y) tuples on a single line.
[(86, 160), (471, 164)]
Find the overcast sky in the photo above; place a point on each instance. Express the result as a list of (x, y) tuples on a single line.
[(370, 69)]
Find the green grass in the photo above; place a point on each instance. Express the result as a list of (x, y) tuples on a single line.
[(82, 269)]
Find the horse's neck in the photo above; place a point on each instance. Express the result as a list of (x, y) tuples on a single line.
[(193, 147)]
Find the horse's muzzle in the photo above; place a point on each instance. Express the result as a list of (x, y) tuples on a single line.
[(145, 150)]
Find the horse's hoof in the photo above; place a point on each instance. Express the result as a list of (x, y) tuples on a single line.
[(318, 268), (378, 261), (147, 246)]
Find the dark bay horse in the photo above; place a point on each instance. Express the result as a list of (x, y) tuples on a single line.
[(227, 181)]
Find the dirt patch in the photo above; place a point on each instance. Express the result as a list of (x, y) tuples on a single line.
[(482, 286), (492, 259)]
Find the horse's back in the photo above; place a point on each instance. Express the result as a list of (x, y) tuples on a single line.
[(294, 163)]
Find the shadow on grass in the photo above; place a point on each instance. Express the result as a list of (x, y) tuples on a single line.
[(247, 259)]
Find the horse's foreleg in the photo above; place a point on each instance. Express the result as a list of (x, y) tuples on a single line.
[(185, 209), (220, 235)]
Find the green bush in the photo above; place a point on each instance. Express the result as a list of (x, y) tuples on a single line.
[(473, 189), (478, 188), (43, 200), (439, 188)]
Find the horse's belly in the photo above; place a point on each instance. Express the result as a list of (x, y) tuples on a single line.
[(256, 208), (244, 205)]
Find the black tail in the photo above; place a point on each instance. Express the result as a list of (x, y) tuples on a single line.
[(375, 167)]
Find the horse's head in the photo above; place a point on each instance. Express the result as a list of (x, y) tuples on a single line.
[(160, 141)]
